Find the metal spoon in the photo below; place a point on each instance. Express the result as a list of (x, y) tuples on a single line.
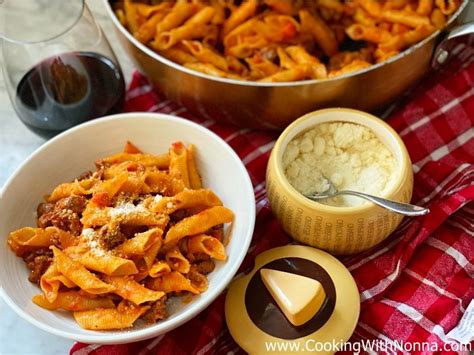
[(398, 207)]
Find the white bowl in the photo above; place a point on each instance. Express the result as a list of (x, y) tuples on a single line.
[(73, 152)]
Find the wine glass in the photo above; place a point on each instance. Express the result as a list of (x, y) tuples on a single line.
[(59, 68)]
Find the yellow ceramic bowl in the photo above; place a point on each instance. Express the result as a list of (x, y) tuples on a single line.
[(339, 230)]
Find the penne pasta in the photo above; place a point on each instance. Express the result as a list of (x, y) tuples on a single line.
[(130, 290), (73, 301), (285, 61), (282, 6), (198, 281), (202, 198), (396, 4), (115, 250), (178, 55), (128, 214), (360, 32), (195, 27), (194, 177), (111, 187), (178, 15), (261, 67), (197, 224), (157, 182), (447, 7), (148, 11), (438, 19), (52, 280), (241, 14), (108, 264), (177, 261), (256, 40), (78, 274), (140, 243), (425, 7), (133, 17), (110, 318), (206, 55), (83, 187), (220, 14), (147, 261), (405, 18), (159, 268), (406, 39), (159, 161), (205, 244), (298, 72), (355, 65), (322, 34), (334, 5), (179, 167), (27, 239), (171, 282), (301, 56), (362, 17), (147, 31), (373, 7)]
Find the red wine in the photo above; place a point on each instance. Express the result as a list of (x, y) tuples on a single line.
[(68, 89)]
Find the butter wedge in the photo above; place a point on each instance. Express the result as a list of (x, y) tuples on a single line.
[(298, 297)]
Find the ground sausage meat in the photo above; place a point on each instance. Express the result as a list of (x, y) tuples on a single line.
[(200, 257), (44, 207), (85, 175), (217, 232), (74, 203), (38, 261), (65, 215), (156, 312), (111, 236), (205, 267)]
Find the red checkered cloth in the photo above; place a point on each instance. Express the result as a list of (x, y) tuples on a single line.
[(414, 286)]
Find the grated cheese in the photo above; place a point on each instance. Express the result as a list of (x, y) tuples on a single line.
[(127, 209), (158, 198), (98, 252), (88, 233), (169, 205), (90, 238), (351, 156)]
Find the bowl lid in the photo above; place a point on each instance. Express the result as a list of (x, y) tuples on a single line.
[(293, 294)]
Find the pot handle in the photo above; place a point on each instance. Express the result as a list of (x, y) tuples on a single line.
[(456, 40)]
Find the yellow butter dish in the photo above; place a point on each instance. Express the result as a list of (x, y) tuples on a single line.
[(294, 294)]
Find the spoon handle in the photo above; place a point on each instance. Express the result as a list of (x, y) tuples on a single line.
[(402, 208)]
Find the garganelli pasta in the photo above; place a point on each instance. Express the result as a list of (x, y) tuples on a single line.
[(114, 245), (281, 40)]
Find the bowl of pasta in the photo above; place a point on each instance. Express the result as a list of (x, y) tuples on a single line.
[(264, 63), (123, 228)]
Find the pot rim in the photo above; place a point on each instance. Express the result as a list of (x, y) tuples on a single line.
[(403, 170), (181, 68)]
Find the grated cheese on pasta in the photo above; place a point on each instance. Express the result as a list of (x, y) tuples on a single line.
[(91, 241), (127, 209)]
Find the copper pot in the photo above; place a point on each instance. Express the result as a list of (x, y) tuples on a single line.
[(275, 105)]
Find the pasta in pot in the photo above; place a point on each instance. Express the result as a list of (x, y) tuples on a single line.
[(148, 231), (281, 40)]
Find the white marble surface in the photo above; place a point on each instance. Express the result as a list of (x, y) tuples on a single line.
[(16, 142)]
